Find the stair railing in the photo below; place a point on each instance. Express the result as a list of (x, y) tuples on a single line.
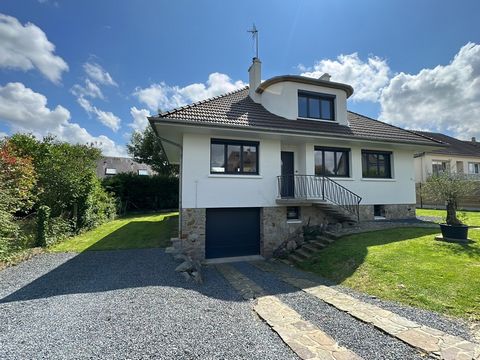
[(317, 187)]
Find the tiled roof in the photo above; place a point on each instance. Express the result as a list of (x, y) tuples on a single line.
[(237, 109), (454, 146)]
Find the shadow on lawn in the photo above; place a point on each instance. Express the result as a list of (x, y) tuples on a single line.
[(100, 271)]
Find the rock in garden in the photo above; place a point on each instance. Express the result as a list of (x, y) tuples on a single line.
[(185, 266)]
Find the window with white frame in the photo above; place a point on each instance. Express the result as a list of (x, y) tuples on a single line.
[(440, 166), (110, 171), (143, 172)]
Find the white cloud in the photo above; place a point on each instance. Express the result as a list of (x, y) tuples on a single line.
[(27, 47), (98, 74), (26, 111), (89, 89), (444, 99), (366, 78), (139, 116), (107, 118), (164, 97)]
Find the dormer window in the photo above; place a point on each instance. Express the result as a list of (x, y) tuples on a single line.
[(316, 106)]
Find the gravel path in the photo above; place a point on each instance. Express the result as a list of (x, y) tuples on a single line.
[(449, 325), (125, 304), (363, 339)]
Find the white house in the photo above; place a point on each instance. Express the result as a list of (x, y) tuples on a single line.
[(458, 156), (260, 162)]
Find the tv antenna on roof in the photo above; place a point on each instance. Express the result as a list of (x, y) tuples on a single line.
[(254, 33)]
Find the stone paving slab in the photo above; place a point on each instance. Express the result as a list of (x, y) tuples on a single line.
[(434, 342), (304, 338)]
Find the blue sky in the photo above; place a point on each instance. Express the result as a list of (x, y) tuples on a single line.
[(399, 56)]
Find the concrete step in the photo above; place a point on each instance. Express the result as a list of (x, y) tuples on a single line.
[(331, 235), (311, 248), (315, 245), (324, 239), (295, 259), (301, 253), (286, 262)]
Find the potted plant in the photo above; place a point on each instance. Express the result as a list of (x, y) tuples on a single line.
[(449, 188)]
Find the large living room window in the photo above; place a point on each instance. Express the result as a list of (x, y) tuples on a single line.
[(316, 106), (233, 157), (332, 161), (376, 164), (474, 168)]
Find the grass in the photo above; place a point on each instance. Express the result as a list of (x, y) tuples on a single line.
[(131, 232), (407, 265), (471, 218)]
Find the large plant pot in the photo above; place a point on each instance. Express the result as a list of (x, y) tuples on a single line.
[(459, 232)]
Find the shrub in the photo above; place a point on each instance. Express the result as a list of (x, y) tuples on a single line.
[(143, 193), (43, 218)]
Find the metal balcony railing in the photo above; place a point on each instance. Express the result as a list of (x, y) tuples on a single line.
[(315, 187)]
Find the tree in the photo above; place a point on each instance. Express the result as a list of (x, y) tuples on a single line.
[(450, 188), (146, 147)]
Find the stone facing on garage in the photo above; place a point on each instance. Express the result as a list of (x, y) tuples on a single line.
[(192, 239)]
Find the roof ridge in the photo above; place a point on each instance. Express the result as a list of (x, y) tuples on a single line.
[(396, 127), (188, 106)]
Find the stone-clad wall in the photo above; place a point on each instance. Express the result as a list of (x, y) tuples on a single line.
[(192, 237), (393, 211)]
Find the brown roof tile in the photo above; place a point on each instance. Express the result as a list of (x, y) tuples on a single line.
[(454, 146), (237, 109)]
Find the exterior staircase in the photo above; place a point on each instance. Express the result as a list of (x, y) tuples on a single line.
[(310, 247)]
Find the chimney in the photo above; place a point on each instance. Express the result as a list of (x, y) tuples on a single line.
[(255, 78), (325, 77), (474, 139)]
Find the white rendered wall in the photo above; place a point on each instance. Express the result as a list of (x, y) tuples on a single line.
[(423, 164), (200, 189), (282, 99)]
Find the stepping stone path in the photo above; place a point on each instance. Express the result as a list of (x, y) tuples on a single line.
[(435, 343), (304, 338)]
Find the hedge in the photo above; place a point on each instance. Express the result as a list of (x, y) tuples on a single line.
[(143, 193)]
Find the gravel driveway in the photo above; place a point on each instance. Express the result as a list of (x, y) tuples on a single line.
[(125, 304)]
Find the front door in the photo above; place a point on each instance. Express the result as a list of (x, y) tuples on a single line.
[(287, 187)]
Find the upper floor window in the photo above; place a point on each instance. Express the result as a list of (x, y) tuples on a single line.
[(316, 106), (376, 164), (439, 166), (332, 161), (233, 157)]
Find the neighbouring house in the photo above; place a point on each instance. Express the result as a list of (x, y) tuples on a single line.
[(259, 163), (458, 156), (109, 166)]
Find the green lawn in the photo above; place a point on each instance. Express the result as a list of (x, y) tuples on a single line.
[(471, 218), (409, 266), (132, 232)]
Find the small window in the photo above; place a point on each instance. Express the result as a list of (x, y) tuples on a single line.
[(439, 166), (110, 171), (379, 211), (316, 106), (293, 213), (474, 168), (143, 172), (233, 157), (332, 162), (376, 164)]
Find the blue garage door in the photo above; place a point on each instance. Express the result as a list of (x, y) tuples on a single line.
[(232, 232)]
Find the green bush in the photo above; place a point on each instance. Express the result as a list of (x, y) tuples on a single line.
[(58, 230), (143, 193), (43, 219)]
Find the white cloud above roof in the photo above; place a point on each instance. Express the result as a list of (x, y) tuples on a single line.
[(163, 97), (107, 118), (25, 47), (443, 99), (139, 116), (366, 77), (98, 74), (26, 111)]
